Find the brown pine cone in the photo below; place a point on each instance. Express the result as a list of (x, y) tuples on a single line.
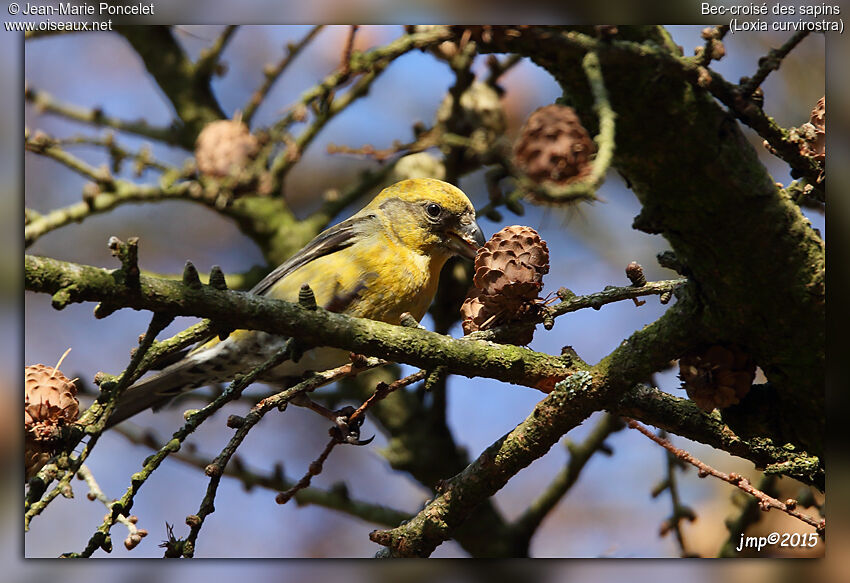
[(717, 377), (49, 403), (553, 146), (509, 271), (816, 145), (225, 147)]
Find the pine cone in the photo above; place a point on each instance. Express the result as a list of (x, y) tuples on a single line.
[(509, 271), (225, 147), (816, 145), (49, 403), (553, 146), (717, 377)]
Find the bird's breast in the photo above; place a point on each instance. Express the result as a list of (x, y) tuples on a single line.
[(396, 280)]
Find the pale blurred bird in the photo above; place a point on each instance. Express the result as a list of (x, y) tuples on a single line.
[(383, 261)]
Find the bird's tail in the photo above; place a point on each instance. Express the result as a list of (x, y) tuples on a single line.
[(159, 389)]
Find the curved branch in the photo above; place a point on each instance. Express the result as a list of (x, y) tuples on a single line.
[(527, 524), (684, 418)]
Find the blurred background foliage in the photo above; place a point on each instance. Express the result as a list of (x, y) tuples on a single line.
[(609, 512)]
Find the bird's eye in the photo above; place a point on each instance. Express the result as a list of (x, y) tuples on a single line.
[(433, 209)]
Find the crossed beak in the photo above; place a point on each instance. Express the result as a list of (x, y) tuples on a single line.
[(466, 239)]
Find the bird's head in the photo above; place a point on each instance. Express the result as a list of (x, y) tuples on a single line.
[(431, 216)]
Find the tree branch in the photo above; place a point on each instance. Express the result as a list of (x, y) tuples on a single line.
[(273, 73), (190, 94), (45, 102), (567, 405), (72, 283), (766, 502), (580, 453), (336, 498), (683, 417), (121, 192)]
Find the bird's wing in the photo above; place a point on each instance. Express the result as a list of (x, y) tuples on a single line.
[(334, 239)]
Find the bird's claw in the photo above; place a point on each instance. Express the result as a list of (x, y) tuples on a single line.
[(359, 441), (347, 431)]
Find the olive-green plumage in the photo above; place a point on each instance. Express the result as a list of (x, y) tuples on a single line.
[(383, 261)]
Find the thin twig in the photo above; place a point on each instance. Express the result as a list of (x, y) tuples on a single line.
[(369, 180), (371, 64), (215, 469), (44, 102), (134, 534), (36, 500), (680, 511), (345, 62), (712, 36), (684, 418), (335, 498), (315, 469), (571, 303), (497, 68), (91, 422), (193, 421), (580, 453), (47, 148), (765, 502), (209, 59), (104, 200), (143, 157), (317, 465), (748, 516), (729, 94), (584, 189), (272, 74), (771, 62)]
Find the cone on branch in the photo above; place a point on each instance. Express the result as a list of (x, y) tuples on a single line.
[(815, 144), (50, 402), (224, 148), (717, 377), (810, 137), (553, 147), (509, 271)]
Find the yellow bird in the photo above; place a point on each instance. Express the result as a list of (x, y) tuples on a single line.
[(383, 261)]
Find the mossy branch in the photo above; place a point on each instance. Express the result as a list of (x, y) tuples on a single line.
[(683, 417), (71, 283), (570, 402)]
